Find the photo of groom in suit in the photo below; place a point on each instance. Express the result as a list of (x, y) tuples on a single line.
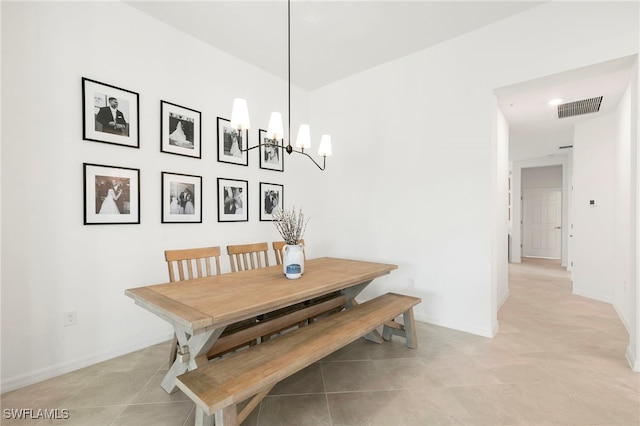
[(111, 119)]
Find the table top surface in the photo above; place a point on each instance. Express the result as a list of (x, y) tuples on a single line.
[(204, 303)]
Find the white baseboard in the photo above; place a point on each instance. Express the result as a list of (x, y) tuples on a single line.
[(503, 299), (622, 318), (593, 296), (23, 380), (633, 361), (485, 332)]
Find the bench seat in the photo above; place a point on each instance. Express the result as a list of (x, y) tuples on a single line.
[(219, 386)]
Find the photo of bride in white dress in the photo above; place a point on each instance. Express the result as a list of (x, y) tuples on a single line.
[(232, 143), (235, 148), (111, 195), (181, 128), (182, 199), (109, 205)]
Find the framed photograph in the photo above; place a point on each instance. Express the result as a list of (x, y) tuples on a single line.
[(110, 114), (180, 129), (271, 152), (271, 200), (233, 200), (181, 198), (111, 195), (231, 142)]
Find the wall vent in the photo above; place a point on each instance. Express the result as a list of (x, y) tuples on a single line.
[(585, 106)]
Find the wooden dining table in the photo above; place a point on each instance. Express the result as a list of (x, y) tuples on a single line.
[(200, 309)]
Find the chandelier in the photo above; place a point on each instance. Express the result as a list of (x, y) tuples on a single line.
[(275, 129)]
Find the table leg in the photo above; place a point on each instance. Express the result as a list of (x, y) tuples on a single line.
[(351, 293), (192, 352)]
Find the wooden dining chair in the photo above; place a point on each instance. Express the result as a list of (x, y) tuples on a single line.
[(248, 256), (277, 249), (187, 264), (192, 263)]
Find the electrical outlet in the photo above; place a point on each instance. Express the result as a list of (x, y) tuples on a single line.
[(70, 318), (412, 283)]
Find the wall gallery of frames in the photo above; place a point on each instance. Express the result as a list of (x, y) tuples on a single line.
[(112, 194)]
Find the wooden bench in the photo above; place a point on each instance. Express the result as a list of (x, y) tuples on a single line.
[(219, 386), (273, 323)]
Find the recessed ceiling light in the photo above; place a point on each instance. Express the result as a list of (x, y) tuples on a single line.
[(556, 101)]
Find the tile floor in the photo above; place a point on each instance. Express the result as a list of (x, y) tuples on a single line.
[(558, 359)]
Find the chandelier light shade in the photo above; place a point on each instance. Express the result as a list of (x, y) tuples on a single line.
[(325, 146), (275, 129), (304, 137), (240, 115)]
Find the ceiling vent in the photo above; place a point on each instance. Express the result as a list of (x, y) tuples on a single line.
[(585, 106)]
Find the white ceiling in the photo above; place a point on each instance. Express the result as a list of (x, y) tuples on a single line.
[(331, 40), (534, 127)]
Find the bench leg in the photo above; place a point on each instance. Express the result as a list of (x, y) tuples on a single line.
[(202, 419), (408, 330), (389, 327), (253, 403), (374, 336), (228, 416)]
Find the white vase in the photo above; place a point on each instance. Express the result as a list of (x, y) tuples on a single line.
[(293, 261)]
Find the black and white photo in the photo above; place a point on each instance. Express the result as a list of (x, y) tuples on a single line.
[(231, 143), (111, 194), (233, 200), (181, 198), (271, 200), (180, 130), (110, 114), (271, 152)]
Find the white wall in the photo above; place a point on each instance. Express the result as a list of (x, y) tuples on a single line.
[(593, 226), (633, 350), (413, 179), (622, 249), (501, 212), (605, 242), (422, 126), (542, 177), (53, 263)]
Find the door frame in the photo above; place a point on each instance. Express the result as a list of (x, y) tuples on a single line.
[(563, 160)]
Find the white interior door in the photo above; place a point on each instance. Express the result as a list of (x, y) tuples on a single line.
[(541, 222)]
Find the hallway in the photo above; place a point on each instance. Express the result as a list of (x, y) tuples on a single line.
[(558, 359), (577, 342)]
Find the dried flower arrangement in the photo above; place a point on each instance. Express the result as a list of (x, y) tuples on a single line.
[(290, 224)]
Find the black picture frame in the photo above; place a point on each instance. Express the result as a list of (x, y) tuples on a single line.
[(231, 142), (271, 199), (180, 130), (98, 122), (181, 198), (111, 195), (271, 152), (233, 200)]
